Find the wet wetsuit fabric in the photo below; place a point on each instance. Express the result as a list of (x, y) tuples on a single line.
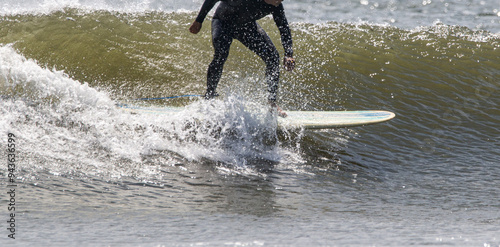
[(236, 19)]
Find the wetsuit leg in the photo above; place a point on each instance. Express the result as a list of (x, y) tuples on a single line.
[(257, 40), (221, 40)]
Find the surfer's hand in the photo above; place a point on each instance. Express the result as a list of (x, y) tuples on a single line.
[(289, 63), (195, 27)]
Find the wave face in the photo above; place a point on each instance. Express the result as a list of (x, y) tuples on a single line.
[(62, 72)]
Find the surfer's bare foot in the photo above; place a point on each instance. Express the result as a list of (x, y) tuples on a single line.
[(211, 95), (280, 111)]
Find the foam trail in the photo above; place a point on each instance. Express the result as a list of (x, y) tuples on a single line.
[(70, 127), (59, 120)]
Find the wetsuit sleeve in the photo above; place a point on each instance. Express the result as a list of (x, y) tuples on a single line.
[(286, 34), (207, 6)]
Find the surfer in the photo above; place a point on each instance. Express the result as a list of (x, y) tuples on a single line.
[(236, 19)]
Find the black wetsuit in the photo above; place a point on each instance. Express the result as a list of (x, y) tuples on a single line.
[(236, 19)]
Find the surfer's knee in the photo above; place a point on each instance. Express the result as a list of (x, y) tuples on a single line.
[(273, 58), (219, 58)]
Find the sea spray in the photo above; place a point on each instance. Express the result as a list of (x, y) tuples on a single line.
[(71, 128)]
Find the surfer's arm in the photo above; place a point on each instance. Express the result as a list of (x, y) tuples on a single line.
[(286, 36), (205, 8)]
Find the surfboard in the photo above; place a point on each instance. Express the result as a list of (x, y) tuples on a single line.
[(333, 119), (298, 119)]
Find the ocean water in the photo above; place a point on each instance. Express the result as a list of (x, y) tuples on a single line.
[(90, 174)]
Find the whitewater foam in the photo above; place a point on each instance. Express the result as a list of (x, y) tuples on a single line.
[(15, 7), (70, 127)]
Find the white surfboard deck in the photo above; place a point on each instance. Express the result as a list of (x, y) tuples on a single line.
[(333, 119), (298, 119)]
